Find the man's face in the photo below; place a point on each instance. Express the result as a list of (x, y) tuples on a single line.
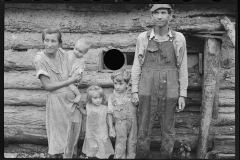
[(161, 17)]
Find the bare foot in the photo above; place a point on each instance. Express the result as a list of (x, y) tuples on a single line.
[(77, 99)]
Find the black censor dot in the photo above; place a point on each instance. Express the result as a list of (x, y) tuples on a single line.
[(114, 59)]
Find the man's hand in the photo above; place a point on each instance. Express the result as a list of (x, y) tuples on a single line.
[(135, 98), (181, 104)]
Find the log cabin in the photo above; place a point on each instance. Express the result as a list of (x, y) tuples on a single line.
[(110, 26)]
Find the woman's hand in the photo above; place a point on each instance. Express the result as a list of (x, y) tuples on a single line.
[(112, 132), (76, 77)]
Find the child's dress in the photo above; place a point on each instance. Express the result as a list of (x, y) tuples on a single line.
[(124, 116), (97, 142)]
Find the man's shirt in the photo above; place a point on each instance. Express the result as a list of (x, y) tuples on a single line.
[(179, 44)]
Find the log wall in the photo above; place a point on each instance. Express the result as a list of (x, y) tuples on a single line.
[(106, 26)]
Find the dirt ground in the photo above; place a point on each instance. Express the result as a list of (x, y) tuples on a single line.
[(40, 151)]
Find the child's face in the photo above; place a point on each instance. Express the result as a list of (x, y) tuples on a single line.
[(120, 87), (80, 50), (96, 99)]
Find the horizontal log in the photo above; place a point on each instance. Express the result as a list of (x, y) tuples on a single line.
[(119, 40), (28, 80), (38, 97), (26, 124), (225, 156), (85, 19), (25, 148), (34, 40), (16, 135), (181, 9), (35, 97), (224, 144), (23, 60), (32, 119)]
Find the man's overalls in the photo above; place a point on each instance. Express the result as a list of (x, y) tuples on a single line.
[(158, 96)]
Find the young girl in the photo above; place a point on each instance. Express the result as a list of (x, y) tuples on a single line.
[(123, 111), (97, 142)]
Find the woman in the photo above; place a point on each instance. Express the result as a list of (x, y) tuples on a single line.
[(51, 66)]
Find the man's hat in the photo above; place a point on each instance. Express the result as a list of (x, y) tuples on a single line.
[(157, 6)]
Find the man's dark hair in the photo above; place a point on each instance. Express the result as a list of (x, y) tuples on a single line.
[(52, 31)]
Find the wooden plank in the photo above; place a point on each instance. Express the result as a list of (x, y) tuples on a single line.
[(211, 60), (229, 27)]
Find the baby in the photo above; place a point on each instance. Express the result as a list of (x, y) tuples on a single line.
[(76, 63)]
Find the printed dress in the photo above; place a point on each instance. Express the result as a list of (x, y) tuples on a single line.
[(97, 142), (60, 111)]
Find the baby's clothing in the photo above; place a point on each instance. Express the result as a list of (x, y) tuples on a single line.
[(97, 142), (124, 116), (77, 66)]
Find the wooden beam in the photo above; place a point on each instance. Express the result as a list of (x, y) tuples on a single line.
[(216, 96), (211, 58), (229, 27)]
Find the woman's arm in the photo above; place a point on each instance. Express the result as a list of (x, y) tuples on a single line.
[(50, 86)]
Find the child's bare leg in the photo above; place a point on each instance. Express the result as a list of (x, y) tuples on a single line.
[(76, 92)]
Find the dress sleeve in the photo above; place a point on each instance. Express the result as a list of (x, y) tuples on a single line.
[(40, 66), (110, 105)]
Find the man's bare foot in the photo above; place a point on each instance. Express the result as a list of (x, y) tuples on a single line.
[(77, 99)]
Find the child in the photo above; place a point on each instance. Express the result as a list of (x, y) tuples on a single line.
[(122, 110), (76, 63), (97, 142)]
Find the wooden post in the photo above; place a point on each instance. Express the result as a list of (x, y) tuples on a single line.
[(216, 96), (229, 27), (210, 68)]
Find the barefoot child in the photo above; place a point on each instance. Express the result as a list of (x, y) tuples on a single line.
[(76, 63), (123, 112), (97, 142)]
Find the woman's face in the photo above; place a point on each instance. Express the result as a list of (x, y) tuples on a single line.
[(51, 43)]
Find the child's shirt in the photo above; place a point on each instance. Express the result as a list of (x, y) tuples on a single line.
[(97, 142), (76, 65), (121, 107)]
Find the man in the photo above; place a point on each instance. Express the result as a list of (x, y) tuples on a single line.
[(159, 80)]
